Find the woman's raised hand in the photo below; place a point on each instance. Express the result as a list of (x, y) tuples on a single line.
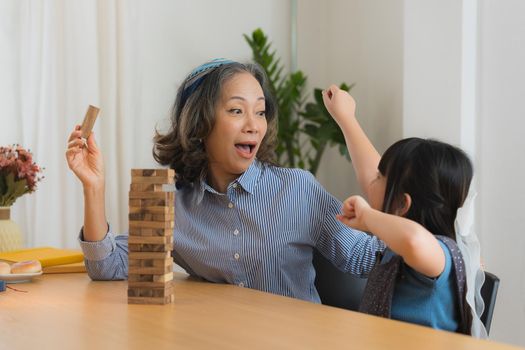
[(85, 160), (339, 103)]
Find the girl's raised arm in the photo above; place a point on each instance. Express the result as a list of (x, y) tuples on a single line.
[(365, 157)]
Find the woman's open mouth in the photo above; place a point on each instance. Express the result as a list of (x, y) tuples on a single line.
[(245, 150)]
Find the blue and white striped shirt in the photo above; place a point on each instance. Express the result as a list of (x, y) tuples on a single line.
[(260, 234)]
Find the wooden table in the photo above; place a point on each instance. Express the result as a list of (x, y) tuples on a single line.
[(69, 311)]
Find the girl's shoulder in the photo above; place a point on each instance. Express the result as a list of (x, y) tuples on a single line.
[(432, 282)]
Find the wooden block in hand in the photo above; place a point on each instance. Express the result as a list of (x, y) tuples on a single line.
[(89, 121)]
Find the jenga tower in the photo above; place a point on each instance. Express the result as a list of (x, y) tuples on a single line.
[(151, 222)]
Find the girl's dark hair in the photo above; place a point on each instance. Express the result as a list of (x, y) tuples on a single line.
[(193, 118), (437, 177)]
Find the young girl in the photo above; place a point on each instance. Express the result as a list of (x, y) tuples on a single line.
[(414, 192), (239, 218)]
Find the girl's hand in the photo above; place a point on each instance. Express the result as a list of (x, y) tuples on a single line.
[(85, 160), (339, 104), (352, 213)]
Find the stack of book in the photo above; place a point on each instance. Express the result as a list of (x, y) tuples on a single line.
[(53, 260)]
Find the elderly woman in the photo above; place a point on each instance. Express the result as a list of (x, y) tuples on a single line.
[(240, 218)]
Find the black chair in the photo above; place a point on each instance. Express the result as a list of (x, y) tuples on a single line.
[(489, 291), (345, 290), (337, 288)]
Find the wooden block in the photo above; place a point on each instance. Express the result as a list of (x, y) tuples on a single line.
[(149, 255), (150, 262), (150, 240), (153, 172), (141, 247), (152, 301), (89, 121), (164, 217), (146, 188), (135, 203), (148, 203), (168, 196), (152, 210), (147, 232), (151, 292), (132, 277), (140, 216), (147, 284), (147, 216), (150, 270), (152, 224), (152, 180)]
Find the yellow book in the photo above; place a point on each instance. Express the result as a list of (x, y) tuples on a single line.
[(47, 256), (66, 268)]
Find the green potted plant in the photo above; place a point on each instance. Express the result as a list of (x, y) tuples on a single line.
[(306, 129)]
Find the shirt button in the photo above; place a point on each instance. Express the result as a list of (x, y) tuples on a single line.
[(230, 205), (236, 232), (241, 284), (236, 256), (234, 185)]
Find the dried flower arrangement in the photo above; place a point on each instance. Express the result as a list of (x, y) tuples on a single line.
[(18, 174)]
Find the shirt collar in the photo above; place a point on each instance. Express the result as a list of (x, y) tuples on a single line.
[(248, 180)]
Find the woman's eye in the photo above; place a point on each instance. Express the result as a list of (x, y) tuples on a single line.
[(235, 111), (261, 114)]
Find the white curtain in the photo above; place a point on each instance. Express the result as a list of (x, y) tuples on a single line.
[(60, 57), (126, 57)]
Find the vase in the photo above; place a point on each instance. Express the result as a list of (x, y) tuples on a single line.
[(10, 233)]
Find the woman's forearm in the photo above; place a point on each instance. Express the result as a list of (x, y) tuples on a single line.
[(95, 224)]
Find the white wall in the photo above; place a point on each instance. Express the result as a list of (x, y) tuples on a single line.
[(356, 42), (451, 70), (463, 81), (501, 163)]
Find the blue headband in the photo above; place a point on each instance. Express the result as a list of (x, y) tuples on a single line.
[(197, 76)]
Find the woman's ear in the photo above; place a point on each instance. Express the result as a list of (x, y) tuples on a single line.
[(405, 205)]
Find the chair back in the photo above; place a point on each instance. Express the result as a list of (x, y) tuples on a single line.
[(489, 291), (337, 288), (344, 290)]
